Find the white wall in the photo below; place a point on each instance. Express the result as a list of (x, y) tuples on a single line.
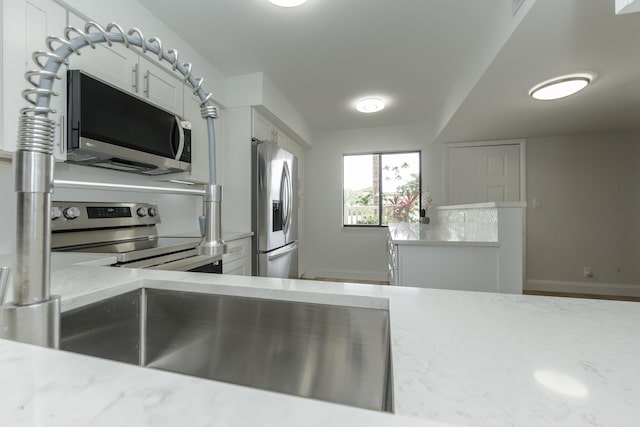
[(355, 253), (589, 192), (256, 89), (179, 214), (236, 199)]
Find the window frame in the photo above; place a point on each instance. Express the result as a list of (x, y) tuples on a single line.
[(380, 154)]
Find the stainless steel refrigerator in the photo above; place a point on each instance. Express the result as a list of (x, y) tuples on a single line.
[(274, 220)]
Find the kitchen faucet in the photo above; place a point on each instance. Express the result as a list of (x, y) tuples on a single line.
[(34, 315)]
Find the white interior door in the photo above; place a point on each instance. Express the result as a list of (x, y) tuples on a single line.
[(479, 174)]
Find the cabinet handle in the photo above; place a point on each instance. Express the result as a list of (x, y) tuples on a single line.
[(146, 84), (134, 83)]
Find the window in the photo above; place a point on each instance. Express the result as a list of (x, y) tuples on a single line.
[(379, 188)]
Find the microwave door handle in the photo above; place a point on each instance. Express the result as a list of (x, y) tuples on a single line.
[(180, 140)]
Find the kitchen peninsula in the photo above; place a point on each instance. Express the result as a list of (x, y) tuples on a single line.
[(474, 247), (459, 358)]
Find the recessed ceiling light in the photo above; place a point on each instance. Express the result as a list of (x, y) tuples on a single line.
[(287, 3), (560, 87), (370, 105)]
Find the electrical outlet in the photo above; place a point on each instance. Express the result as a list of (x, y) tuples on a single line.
[(587, 272)]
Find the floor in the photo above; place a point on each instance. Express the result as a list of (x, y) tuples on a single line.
[(551, 294)]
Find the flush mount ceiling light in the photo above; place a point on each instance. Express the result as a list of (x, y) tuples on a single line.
[(287, 3), (370, 105), (560, 87)]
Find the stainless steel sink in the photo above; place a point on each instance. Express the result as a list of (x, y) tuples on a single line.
[(334, 353)]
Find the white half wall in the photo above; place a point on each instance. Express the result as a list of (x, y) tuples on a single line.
[(587, 188), (355, 252)]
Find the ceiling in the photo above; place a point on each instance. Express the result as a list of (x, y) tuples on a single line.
[(326, 54)]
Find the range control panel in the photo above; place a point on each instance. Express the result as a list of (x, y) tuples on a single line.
[(69, 216)]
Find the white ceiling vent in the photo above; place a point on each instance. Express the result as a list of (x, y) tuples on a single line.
[(516, 5)]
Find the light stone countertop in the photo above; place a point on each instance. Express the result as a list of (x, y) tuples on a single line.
[(227, 236), (460, 358), (440, 235)]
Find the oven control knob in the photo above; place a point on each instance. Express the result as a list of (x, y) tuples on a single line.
[(153, 211), (141, 212), (71, 213), (55, 213)]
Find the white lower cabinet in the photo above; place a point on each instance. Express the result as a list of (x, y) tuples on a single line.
[(461, 267), (237, 257)]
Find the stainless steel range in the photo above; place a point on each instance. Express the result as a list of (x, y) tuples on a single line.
[(127, 231)]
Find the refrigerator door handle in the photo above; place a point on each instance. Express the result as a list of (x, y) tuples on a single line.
[(282, 251), (285, 195)]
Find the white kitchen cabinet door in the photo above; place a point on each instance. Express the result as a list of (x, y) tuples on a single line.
[(25, 27), (162, 88), (283, 140), (479, 174), (115, 65), (263, 129), (126, 70), (237, 257)]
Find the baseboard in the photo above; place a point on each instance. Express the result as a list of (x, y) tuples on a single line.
[(348, 275), (620, 289)]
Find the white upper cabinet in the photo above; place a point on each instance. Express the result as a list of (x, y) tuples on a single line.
[(125, 69), (116, 65), (263, 129), (25, 26), (161, 88)]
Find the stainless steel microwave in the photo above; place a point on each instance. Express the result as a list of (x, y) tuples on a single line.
[(109, 128)]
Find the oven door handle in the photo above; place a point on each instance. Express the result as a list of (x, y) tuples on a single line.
[(186, 263)]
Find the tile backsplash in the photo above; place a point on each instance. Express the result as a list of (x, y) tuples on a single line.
[(479, 222)]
